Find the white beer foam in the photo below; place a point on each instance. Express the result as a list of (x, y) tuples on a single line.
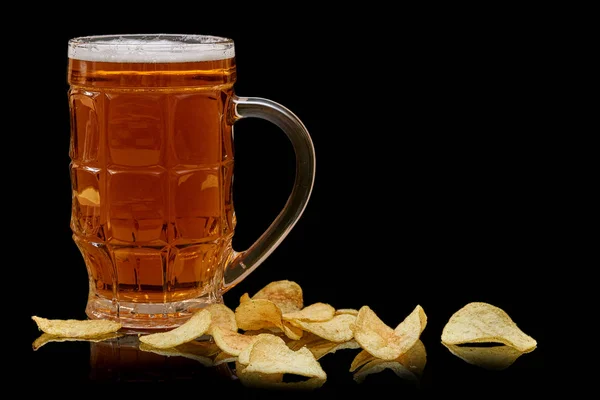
[(161, 48)]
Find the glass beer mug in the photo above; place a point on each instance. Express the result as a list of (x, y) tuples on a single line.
[(152, 165)]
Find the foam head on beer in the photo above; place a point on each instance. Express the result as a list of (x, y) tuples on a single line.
[(159, 49)]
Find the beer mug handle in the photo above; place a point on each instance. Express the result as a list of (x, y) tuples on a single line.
[(244, 262)]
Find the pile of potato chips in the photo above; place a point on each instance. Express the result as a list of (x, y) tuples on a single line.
[(273, 334)]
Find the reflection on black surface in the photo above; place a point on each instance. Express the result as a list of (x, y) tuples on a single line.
[(124, 360), (492, 358), (46, 338), (121, 360), (408, 366)]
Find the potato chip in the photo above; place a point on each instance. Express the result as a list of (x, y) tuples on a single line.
[(264, 314), (232, 342), (76, 328), (193, 328), (492, 358), (316, 312), (383, 342), (258, 314), (244, 356), (291, 331), (482, 322), (414, 359), (350, 311), (221, 316), (256, 379), (270, 356), (46, 338), (379, 365), (320, 347), (274, 381), (287, 295), (338, 329), (245, 297)]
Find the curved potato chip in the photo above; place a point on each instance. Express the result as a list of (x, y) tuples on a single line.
[(244, 356), (256, 379), (76, 328), (253, 315), (414, 359), (46, 338), (258, 314), (270, 356), (291, 331), (221, 316), (492, 358), (274, 381), (378, 365), (338, 329), (191, 329), (482, 322), (325, 347), (350, 311), (316, 312), (232, 342), (287, 295), (319, 346), (383, 342), (245, 297)]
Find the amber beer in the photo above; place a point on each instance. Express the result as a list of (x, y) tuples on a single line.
[(151, 171)]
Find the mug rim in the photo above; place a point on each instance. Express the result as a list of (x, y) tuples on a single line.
[(154, 47)]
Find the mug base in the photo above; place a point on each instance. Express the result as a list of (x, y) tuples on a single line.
[(143, 316)]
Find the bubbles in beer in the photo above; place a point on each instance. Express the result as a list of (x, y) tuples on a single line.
[(151, 48)]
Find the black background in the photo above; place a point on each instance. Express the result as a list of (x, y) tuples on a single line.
[(426, 126)]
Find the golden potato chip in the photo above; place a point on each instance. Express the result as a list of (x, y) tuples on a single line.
[(274, 381), (287, 295), (270, 356), (264, 314), (46, 338), (383, 342), (350, 311), (258, 314), (256, 379), (338, 329), (378, 365), (232, 342), (244, 356), (193, 328), (414, 359), (245, 297), (221, 316), (325, 347), (316, 312), (291, 331), (492, 358), (76, 328), (482, 322), (320, 347)]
